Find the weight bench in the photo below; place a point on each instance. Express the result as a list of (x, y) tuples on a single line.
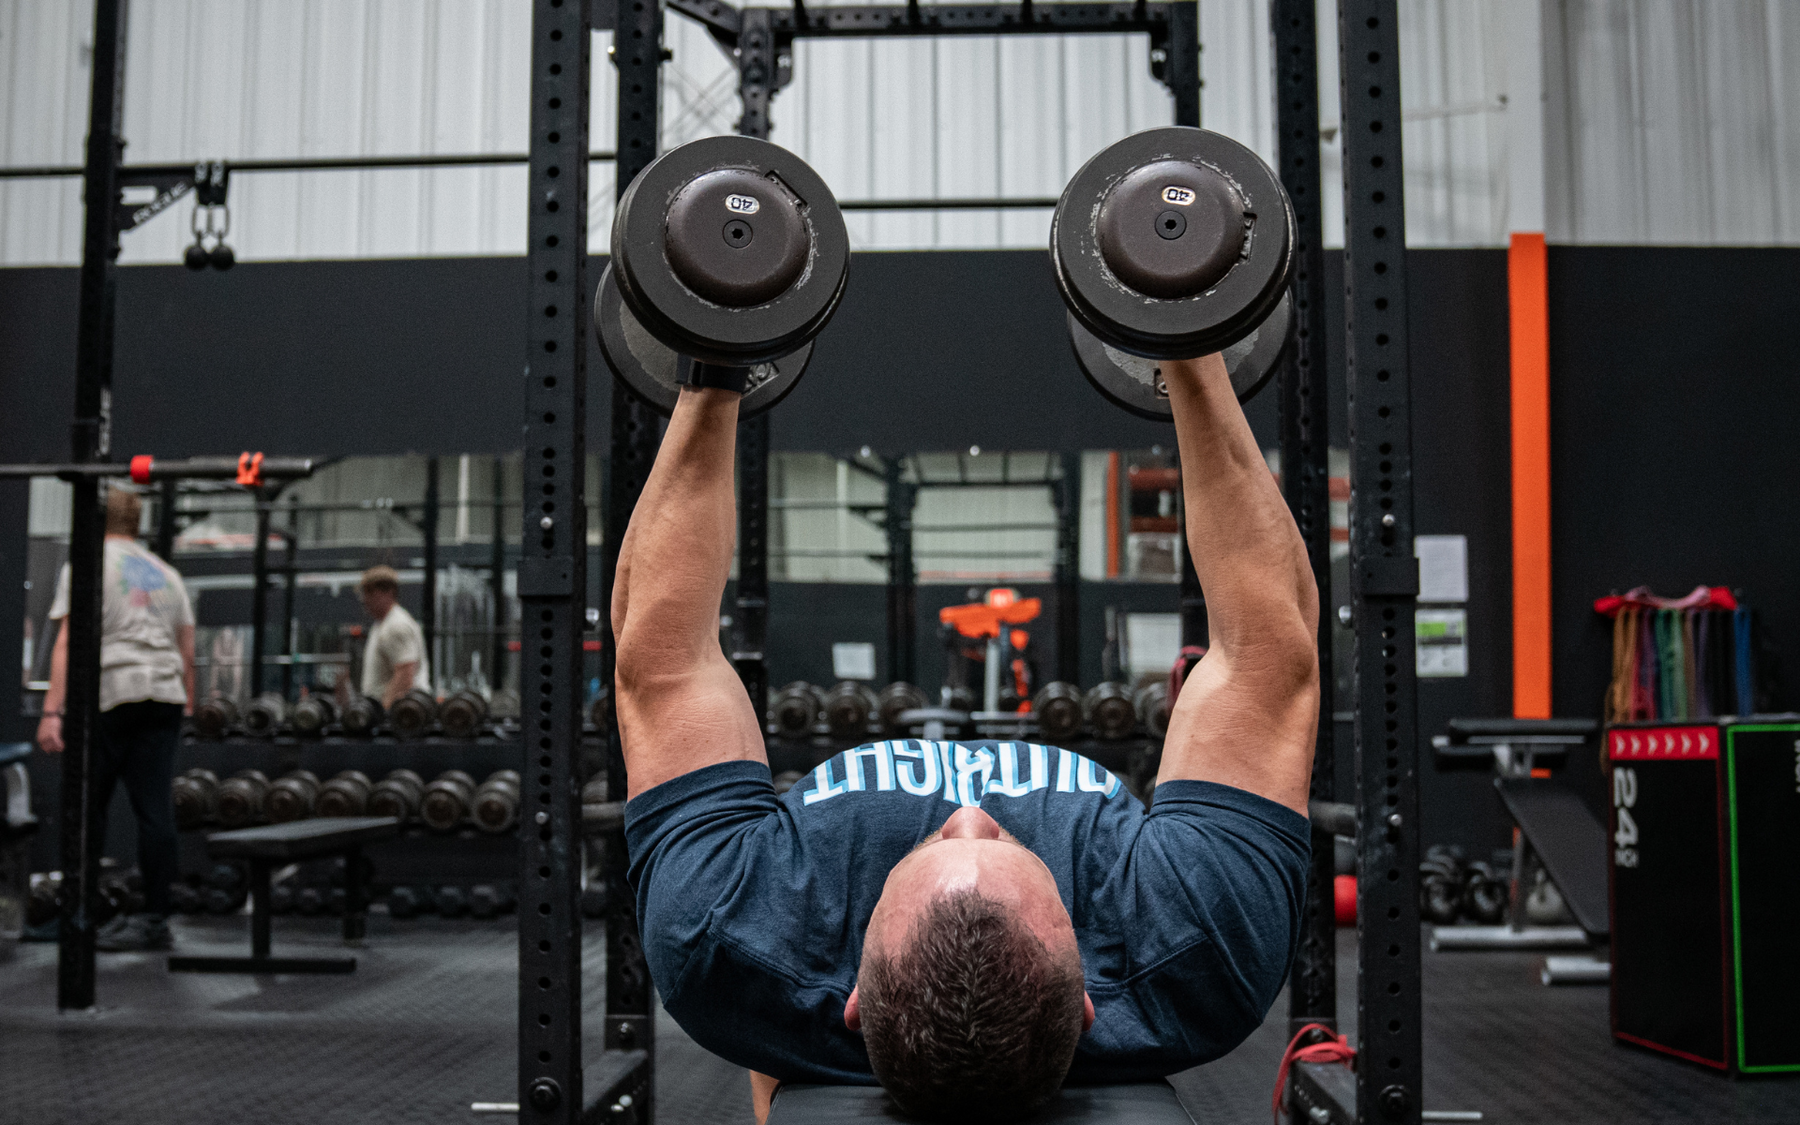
[(1552, 823), (280, 844), (1147, 1103)]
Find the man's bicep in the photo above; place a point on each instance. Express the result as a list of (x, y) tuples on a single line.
[(674, 724), (1251, 726)]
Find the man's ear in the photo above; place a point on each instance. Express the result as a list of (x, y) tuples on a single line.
[(1087, 1010), (853, 1012)]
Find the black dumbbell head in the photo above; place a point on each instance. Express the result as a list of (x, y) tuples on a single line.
[(653, 372), (1136, 383), (1172, 243), (730, 250)]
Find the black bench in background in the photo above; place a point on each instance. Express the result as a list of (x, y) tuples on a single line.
[(276, 845), (1553, 825)]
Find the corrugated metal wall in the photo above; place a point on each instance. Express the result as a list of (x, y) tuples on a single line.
[(1675, 121), (1666, 120)]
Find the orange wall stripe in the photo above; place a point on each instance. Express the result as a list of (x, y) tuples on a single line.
[(1528, 298)]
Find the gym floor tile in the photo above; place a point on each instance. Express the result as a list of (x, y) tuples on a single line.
[(426, 1025)]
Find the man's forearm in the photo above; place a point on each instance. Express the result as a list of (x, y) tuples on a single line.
[(676, 556), (59, 671), (1247, 552)]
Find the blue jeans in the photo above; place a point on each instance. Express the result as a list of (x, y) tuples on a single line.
[(137, 746)]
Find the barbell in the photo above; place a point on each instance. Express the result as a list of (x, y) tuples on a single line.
[(730, 255)]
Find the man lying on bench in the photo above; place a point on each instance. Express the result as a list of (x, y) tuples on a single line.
[(973, 923)]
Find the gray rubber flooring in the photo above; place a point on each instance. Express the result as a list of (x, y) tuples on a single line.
[(426, 1026)]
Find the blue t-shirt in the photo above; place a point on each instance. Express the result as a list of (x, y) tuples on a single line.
[(753, 905)]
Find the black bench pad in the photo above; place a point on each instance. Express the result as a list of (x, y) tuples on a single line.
[(301, 839), (1572, 843), (1151, 1103)]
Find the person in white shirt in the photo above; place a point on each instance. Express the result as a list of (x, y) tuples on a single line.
[(146, 686), (394, 660)]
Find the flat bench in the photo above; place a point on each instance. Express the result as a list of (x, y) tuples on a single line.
[(1148, 1103), (279, 844)]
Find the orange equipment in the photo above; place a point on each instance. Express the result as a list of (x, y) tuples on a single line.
[(983, 619)]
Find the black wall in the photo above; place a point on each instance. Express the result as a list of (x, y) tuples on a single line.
[(1673, 404), (1671, 380)]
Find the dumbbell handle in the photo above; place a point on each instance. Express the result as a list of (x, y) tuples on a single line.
[(700, 375)]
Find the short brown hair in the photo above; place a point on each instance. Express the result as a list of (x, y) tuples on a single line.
[(124, 510), (379, 578), (974, 1020)]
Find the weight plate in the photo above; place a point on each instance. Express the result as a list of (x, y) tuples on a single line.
[(730, 250), (648, 367), (1172, 243), (1135, 383)]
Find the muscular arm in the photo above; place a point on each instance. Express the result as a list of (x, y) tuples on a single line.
[(680, 704), (1248, 713)]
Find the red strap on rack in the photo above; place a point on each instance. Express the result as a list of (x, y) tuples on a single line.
[(1333, 1048), (250, 469), (140, 468)]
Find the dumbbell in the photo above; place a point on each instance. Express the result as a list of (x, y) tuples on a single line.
[(397, 795), (266, 714), (504, 704), (600, 711), (313, 714), (1485, 894), (405, 902), (729, 251), (361, 716), (292, 796), (959, 698), (309, 901), (1151, 702), (196, 797), (1109, 712), (896, 699), (451, 901), (184, 898), (347, 794), (445, 803), (495, 806), (848, 707), (413, 714), (489, 901), (1172, 243), (594, 791), (213, 717), (462, 714), (241, 798), (786, 780), (796, 709), (1058, 708)]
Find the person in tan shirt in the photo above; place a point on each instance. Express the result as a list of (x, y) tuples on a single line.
[(394, 660), (146, 686)]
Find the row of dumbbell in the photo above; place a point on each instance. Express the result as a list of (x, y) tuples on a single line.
[(464, 714), (1110, 711), (443, 804), (451, 900)]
